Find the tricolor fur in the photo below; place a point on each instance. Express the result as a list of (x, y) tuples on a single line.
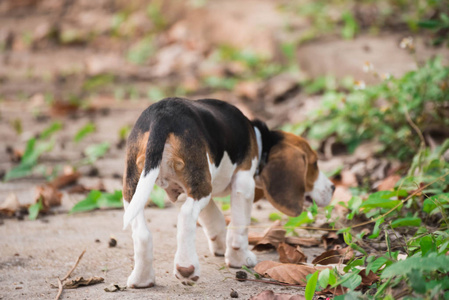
[(196, 150)]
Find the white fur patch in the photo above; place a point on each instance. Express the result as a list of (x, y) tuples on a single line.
[(221, 176), (259, 141), (322, 190), (141, 195)]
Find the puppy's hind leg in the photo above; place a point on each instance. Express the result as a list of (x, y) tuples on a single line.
[(142, 275), (187, 267), (214, 226)]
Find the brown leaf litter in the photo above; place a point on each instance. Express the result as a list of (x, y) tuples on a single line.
[(80, 281), (287, 273), (334, 256), (290, 254), (10, 205), (272, 237)]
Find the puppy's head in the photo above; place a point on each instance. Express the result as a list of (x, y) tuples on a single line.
[(291, 174)]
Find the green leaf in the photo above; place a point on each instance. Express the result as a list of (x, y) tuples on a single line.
[(376, 264), (94, 152), (409, 221), (434, 204), (417, 282), (380, 200), (97, 81), (376, 230), (323, 278), (84, 131), (89, 203), (110, 200), (311, 286), (429, 24), (141, 51), (382, 289), (29, 160), (158, 196), (49, 131), (350, 26), (423, 264), (275, 216), (350, 280), (34, 209), (292, 223), (96, 199)]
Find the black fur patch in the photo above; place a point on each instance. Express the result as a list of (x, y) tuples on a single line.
[(219, 124)]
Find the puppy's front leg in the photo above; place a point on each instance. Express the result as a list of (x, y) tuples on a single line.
[(237, 252), (187, 268)]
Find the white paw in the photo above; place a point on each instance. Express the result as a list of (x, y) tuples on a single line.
[(241, 257), (187, 273), (142, 280), (217, 244)]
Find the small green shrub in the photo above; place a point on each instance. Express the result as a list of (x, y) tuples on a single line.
[(388, 112)]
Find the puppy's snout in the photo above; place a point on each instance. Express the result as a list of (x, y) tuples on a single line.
[(333, 189)]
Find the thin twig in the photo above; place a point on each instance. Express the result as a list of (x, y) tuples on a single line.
[(60, 286), (74, 267), (59, 289)]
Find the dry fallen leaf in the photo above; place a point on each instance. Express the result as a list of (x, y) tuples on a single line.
[(114, 288), (290, 254), (301, 241), (49, 195), (287, 273), (334, 256), (270, 295), (331, 239), (388, 183), (10, 205), (65, 179), (368, 279), (273, 236), (81, 189), (265, 265), (80, 281)]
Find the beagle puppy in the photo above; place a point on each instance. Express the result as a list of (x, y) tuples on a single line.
[(196, 150)]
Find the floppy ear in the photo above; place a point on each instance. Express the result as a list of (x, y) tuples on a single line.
[(283, 178)]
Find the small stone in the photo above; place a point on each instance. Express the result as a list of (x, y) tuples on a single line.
[(112, 242), (97, 240), (241, 275), (234, 294)]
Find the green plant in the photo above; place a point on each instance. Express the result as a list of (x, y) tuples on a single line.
[(394, 110), (34, 149), (96, 199), (140, 52), (94, 152), (84, 131), (439, 26)]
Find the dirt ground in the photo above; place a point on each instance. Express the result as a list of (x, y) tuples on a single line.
[(34, 253)]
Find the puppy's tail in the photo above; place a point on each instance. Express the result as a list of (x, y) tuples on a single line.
[(153, 157)]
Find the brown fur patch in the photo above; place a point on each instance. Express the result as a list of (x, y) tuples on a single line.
[(190, 165), (291, 171), (135, 154), (253, 152)]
